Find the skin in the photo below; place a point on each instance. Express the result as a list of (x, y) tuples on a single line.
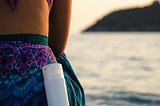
[(59, 25), (32, 16)]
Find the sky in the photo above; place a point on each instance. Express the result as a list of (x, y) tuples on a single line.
[(87, 12)]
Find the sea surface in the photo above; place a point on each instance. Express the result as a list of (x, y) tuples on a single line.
[(117, 69)]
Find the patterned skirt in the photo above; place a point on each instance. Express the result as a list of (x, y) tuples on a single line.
[(22, 57)]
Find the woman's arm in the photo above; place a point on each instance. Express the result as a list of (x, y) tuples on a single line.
[(59, 25)]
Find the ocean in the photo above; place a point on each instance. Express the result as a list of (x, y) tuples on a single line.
[(117, 68)]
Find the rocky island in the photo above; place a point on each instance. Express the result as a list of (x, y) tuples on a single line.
[(135, 19)]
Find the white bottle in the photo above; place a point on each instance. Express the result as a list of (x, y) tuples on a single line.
[(55, 85)]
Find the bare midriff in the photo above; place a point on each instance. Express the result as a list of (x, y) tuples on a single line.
[(30, 16)]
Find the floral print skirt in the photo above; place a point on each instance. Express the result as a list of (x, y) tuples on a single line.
[(21, 77), (22, 57)]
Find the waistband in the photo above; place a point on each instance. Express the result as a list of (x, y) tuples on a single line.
[(30, 38)]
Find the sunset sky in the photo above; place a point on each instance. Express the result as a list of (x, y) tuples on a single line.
[(86, 12)]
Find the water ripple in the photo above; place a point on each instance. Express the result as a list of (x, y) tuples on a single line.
[(124, 98)]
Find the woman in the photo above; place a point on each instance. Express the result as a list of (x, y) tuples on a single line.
[(24, 51)]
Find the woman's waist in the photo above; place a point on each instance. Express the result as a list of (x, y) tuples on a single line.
[(26, 38), (24, 53), (25, 45), (22, 56)]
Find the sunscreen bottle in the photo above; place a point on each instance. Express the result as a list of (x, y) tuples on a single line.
[(55, 86)]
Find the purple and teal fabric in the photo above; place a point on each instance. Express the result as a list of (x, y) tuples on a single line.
[(22, 57), (75, 91), (21, 77)]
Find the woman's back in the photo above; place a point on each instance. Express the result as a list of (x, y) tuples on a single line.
[(24, 51), (29, 16)]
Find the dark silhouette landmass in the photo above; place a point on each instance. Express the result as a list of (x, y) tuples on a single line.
[(136, 19)]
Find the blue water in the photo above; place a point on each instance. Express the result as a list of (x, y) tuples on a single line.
[(117, 69)]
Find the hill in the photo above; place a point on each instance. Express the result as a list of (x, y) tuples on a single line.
[(135, 19)]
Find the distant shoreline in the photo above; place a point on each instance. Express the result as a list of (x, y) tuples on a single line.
[(145, 19)]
